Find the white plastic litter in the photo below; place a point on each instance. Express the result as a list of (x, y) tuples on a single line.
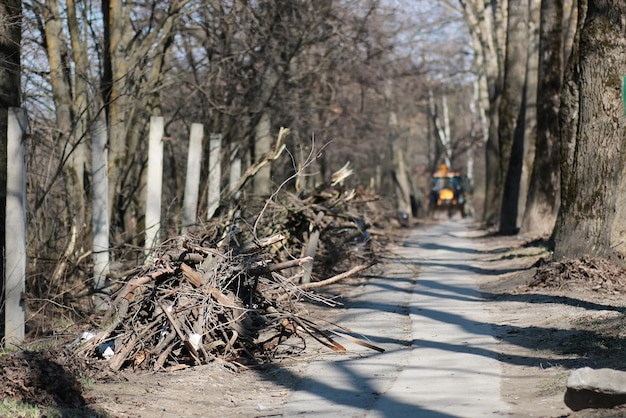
[(87, 335), (108, 353), (195, 340)]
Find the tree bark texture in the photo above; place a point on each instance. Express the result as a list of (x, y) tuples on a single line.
[(512, 115), (486, 24), (530, 123), (399, 170), (133, 66), (70, 106), (81, 106), (441, 130), (544, 195), (592, 219)]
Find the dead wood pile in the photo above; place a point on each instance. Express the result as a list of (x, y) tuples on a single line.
[(228, 295), (593, 273)]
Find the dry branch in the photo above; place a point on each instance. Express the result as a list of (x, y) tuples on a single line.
[(335, 279), (201, 301)]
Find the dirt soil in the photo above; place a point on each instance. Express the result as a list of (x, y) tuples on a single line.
[(548, 317), (551, 318)]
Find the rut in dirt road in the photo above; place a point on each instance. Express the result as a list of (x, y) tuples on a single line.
[(440, 358)]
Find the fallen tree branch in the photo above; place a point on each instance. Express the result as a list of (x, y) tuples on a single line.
[(181, 335), (334, 279), (269, 268)]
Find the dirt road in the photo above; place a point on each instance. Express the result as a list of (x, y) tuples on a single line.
[(464, 334), (440, 358)]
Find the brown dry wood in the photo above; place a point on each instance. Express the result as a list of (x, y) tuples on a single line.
[(182, 336), (270, 268), (231, 341), (207, 355), (182, 255), (351, 338), (263, 243), (127, 290), (319, 335), (123, 353), (225, 300), (204, 289), (358, 341), (334, 279), (108, 327), (204, 250), (165, 342), (191, 275), (160, 361)]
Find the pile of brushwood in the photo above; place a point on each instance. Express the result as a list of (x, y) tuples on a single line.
[(594, 273), (232, 290)]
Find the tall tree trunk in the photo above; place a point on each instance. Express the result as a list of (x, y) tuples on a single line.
[(117, 35), (592, 218), (399, 171), (81, 107), (486, 24), (512, 116), (570, 25), (530, 124), (569, 110), (544, 195), (10, 38), (73, 157), (131, 87), (441, 130), (493, 176)]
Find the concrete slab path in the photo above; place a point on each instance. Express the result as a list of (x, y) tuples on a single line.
[(440, 358)]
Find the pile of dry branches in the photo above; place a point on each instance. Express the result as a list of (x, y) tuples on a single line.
[(599, 274), (230, 295)]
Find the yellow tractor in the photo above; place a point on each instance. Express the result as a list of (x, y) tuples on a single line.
[(447, 192)]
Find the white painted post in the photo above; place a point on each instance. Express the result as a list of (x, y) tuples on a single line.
[(192, 183), (155, 183), (215, 173), (100, 209), (235, 167), (15, 273)]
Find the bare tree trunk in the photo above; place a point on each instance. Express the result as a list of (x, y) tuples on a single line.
[(544, 195), (570, 24), (131, 78), (403, 186), (116, 37), (512, 116), (81, 110), (73, 156), (530, 124), (441, 128), (592, 218), (491, 211), (486, 23), (402, 182)]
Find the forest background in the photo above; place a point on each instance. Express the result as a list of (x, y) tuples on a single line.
[(523, 96)]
